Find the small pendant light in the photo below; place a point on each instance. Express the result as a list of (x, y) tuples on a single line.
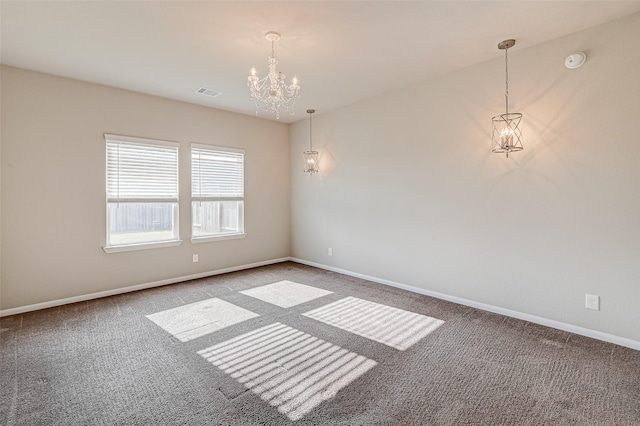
[(507, 133), (311, 156)]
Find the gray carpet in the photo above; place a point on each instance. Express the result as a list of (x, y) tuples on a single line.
[(103, 362)]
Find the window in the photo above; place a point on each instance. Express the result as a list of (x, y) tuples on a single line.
[(142, 193), (217, 193)]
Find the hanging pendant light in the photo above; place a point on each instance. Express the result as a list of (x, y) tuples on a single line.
[(507, 132), (310, 157)]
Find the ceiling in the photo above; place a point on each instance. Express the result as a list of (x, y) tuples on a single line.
[(341, 51)]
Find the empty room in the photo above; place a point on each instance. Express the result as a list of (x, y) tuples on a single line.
[(319, 213)]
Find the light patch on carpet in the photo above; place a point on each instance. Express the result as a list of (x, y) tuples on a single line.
[(393, 327), (291, 370), (286, 294), (194, 320)]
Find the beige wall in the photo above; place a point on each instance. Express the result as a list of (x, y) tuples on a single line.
[(1, 68), (53, 180), (410, 192)]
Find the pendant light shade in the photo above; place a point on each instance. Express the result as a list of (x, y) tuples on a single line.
[(310, 161), (310, 157), (507, 130), (507, 133)]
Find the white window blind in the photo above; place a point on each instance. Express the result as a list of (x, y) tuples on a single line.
[(141, 171), (217, 173), (142, 193), (217, 193)]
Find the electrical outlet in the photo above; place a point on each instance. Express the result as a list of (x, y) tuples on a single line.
[(195, 258), (330, 251), (592, 302)]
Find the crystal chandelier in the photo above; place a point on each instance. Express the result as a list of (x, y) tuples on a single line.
[(272, 90), (507, 133), (310, 157)]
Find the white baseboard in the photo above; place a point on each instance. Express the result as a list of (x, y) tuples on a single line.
[(622, 341), (84, 297)]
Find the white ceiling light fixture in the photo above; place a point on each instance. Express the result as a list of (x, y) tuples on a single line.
[(310, 157), (507, 133), (272, 90)]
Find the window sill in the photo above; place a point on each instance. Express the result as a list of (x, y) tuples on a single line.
[(143, 246), (196, 240)]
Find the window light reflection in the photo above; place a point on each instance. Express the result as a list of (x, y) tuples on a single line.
[(291, 370), (393, 327)]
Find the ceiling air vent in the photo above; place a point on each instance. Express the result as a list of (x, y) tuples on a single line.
[(208, 92)]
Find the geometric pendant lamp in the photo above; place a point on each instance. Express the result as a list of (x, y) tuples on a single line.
[(507, 130), (310, 157)]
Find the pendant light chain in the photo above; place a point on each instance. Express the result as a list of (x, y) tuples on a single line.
[(506, 79), (310, 132)]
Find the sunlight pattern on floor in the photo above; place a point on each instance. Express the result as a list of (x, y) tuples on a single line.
[(286, 294), (393, 327), (194, 320), (289, 369)]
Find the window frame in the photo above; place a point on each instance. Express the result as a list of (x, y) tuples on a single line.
[(174, 201), (222, 236)]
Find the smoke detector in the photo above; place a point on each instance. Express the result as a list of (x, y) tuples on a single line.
[(575, 60)]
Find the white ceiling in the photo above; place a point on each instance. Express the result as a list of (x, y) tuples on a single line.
[(341, 51)]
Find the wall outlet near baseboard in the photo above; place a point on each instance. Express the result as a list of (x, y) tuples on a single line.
[(330, 251), (195, 258), (592, 302)]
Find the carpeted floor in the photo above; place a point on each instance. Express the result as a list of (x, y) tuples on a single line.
[(288, 343)]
